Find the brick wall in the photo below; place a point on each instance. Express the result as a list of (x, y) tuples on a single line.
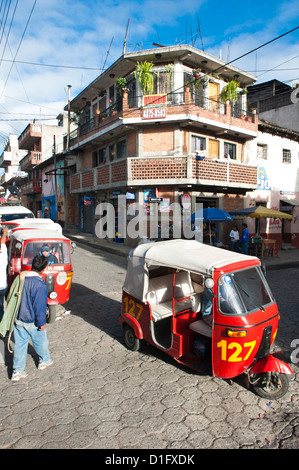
[(242, 174), (158, 139), (159, 168), (75, 182), (87, 179), (131, 144), (118, 172), (103, 175), (209, 170)]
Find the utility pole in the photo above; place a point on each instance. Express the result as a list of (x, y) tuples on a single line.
[(69, 116), (55, 177)]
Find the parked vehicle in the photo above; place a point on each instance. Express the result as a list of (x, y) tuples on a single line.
[(9, 212), (23, 224), (25, 244), (161, 304)]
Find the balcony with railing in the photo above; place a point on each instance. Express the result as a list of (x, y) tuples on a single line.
[(30, 160), (187, 106), (30, 136), (32, 186), (168, 170)]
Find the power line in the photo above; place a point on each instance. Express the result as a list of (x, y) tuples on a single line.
[(230, 62), (53, 65), (19, 45)]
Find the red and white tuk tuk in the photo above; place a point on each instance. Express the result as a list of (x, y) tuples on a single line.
[(25, 244), (162, 304)]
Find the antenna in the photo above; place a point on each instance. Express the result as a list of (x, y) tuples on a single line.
[(108, 52), (200, 34), (125, 41)]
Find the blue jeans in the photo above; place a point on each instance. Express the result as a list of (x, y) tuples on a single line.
[(244, 248), (22, 334)]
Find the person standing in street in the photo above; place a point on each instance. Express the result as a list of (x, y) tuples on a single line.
[(244, 239), (31, 320), (3, 270), (234, 238)]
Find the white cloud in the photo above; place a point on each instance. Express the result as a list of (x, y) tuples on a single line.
[(79, 32)]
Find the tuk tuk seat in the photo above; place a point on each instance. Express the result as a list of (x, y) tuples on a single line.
[(160, 295), (201, 327)]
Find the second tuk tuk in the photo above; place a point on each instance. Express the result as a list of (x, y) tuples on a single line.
[(25, 244), (162, 299)]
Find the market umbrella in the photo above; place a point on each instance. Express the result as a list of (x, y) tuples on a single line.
[(259, 212), (210, 215)]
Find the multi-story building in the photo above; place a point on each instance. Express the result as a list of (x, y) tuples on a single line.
[(40, 141), (275, 151), (10, 161), (181, 141)]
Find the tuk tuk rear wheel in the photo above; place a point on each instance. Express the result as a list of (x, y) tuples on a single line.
[(131, 341), (274, 388), (51, 313)]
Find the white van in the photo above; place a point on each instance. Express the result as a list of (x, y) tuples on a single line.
[(8, 213)]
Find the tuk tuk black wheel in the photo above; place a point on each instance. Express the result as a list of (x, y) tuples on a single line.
[(51, 313), (271, 386), (131, 341)]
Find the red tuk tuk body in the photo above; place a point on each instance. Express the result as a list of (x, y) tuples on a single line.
[(162, 302), (25, 244)]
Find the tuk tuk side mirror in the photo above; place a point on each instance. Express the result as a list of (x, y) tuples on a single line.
[(209, 283), (73, 245)]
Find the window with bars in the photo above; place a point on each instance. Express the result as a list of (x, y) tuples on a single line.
[(230, 150), (198, 144), (286, 156), (262, 151)]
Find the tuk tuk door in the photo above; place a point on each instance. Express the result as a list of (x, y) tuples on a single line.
[(238, 335)]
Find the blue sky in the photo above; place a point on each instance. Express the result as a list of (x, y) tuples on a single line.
[(80, 32)]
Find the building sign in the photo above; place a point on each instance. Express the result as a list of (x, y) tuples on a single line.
[(154, 107), (263, 182)]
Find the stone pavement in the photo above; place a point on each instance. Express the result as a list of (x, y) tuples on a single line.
[(99, 395)]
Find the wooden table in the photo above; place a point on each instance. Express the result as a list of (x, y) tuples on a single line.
[(268, 241)]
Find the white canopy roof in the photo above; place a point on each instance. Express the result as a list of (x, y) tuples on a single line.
[(31, 221), (187, 255), (41, 234)]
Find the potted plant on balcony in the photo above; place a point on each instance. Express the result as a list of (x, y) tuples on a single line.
[(145, 76), (121, 85), (229, 92)]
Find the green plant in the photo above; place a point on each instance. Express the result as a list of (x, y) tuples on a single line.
[(121, 82), (229, 92), (145, 76)]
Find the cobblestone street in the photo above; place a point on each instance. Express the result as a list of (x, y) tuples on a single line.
[(100, 395)]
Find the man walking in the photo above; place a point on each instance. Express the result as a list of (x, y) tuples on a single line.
[(31, 320)]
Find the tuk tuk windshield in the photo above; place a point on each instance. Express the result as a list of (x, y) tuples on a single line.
[(242, 292), (59, 252)]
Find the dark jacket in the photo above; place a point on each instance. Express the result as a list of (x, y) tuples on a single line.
[(33, 307)]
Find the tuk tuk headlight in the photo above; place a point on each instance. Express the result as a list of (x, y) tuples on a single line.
[(53, 295), (236, 333), (61, 278)]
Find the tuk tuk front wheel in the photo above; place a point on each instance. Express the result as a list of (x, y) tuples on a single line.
[(270, 385), (51, 313), (131, 341)]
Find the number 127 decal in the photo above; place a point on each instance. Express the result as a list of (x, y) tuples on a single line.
[(235, 352)]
